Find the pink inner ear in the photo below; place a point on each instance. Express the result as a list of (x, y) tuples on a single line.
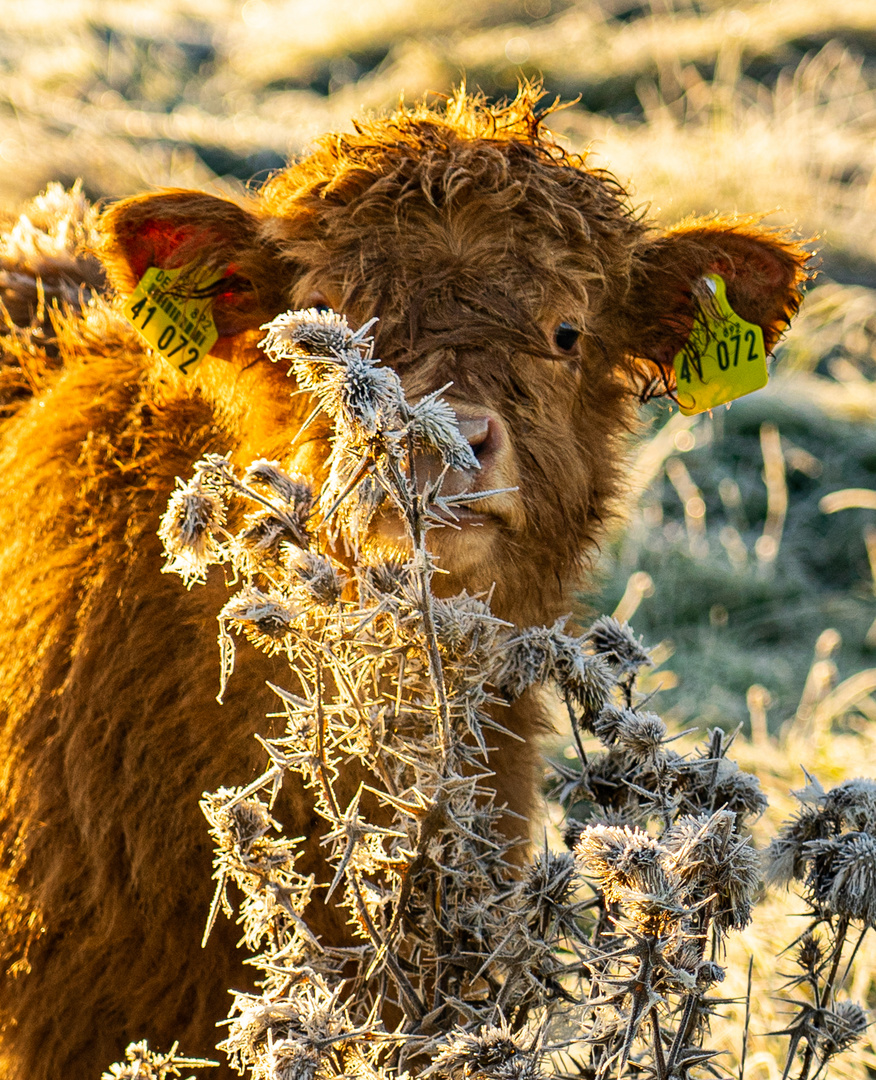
[(752, 265), (168, 246), (165, 245)]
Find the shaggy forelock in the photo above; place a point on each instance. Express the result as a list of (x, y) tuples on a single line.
[(450, 199)]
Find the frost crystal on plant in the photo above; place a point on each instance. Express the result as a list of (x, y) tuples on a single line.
[(141, 1063), (187, 531), (434, 425), (616, 643), (307, 332), (293, 491)]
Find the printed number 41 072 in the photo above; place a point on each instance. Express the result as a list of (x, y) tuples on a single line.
[(166, 338)]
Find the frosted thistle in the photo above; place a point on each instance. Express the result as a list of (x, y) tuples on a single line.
[(315, 577), (842, 876), (616, 643), (490, 1053), (263, 537), (712, 781), (541, 654), (640, 735), (362, 396), (852, 804), (791, 851), (842, 1027), (549, 891), (141, 1063), (394, 694), (214, 472), (308, 331), (338, 368), (810, 952), (466, 629), (631, 869), (294, 491), (187, 531), (433, 424), (719, 868), (265, 618), (310, 1018)]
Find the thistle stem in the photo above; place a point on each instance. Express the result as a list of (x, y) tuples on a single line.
[(822, 1002)]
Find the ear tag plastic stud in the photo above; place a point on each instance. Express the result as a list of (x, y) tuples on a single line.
[(724, 357), (172, 310)]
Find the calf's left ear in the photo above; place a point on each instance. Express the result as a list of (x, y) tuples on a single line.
[(764, 271)]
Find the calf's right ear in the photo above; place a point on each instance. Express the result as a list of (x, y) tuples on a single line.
[(172, 229)]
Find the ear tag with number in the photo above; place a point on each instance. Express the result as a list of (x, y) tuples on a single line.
[(724, 357), (172, 310)]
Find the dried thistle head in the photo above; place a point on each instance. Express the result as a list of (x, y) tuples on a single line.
[(187, 531), (632, 869), (640, 735), (309, 1022), (616, 644), (490, 1053), (295, 491), (141, 1063), (706, 783), (717, 866), (434, 427), (314, 332), (841, 1027), (547, 892), (386, 577), (605, 782), (823, 814), (852, 804), (466, 628), (262, 539), (287, 1059), (266, 618), (328, 360), (540, 654), (810, 953), (841, 878), (317, 579)]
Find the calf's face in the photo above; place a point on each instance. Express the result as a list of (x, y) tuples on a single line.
[(495, 263)]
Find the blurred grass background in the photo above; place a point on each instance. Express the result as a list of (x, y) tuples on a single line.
[(763, 602)]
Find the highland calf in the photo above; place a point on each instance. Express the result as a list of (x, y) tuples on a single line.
[(494, 261)]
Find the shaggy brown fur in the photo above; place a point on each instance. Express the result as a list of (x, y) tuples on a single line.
[(472, 236)]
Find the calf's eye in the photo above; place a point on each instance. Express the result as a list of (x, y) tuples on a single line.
[(566, 337), (318, 301)]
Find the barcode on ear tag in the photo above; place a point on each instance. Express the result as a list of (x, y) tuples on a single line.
[(172, 310), (724, 357)]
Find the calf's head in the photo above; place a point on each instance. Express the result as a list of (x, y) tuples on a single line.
[(495, 262)]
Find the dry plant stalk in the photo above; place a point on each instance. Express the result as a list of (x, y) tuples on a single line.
[(460, 962)]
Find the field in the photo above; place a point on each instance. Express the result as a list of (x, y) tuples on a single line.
[(757, 588)]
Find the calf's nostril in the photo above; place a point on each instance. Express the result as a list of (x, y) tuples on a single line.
[(477, 430)]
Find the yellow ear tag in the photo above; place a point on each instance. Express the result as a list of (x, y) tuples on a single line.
[(172, 310), (724, 357)]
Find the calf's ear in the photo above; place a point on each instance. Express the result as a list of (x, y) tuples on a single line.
[(764, 271), (172, 229)]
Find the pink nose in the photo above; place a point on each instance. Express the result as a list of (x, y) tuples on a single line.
[(482, 434)]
